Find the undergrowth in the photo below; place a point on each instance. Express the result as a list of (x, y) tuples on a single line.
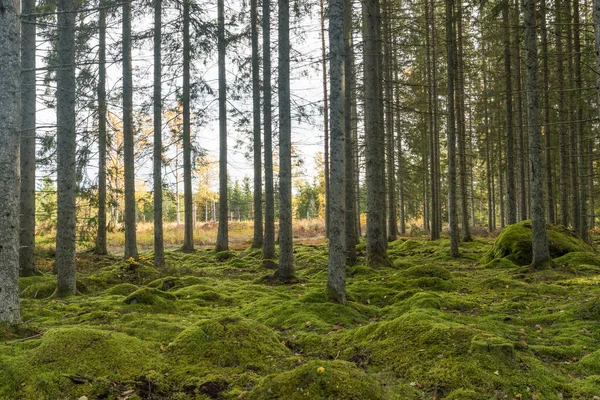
[(209, 326)]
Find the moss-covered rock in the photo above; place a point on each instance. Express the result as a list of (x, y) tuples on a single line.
[(514, 243), (229, 343), (37, 287), (320, 380)]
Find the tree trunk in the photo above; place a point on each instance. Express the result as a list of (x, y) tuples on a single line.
[(351, 239), (462, 132), (436, 175), (27, 147), (547, 128), (572, 125), (518, 121), (336, 273), (579, 134), (9, 163), (510, 154), (451, 53), (430, 126), (392, 228), (101, 235), (269, 244), (540, 252), (325, 119), (285, 271), (66, 144), (159, 251), (128, 138), (562, 118), (257, 240), (223, 232), (374, 137), (188, 216)]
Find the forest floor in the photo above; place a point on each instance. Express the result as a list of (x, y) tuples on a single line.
[(213, 326)]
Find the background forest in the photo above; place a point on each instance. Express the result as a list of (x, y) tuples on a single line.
[(324, 199)]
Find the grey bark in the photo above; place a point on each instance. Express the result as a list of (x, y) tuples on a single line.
[(462, 131), (9, 163), (351, 238), (580, 135), (336, 273), (257, 240), (223, 232), (562, 116), (510, 154), (573, 144), (325, 119), (269, 243), (451, 68), (436, 175), (597, 47), (521, 150), (159, 250), (430, 126), (285, 270), (392, 227), (188, 207), (66, 145), (547, 127), (541, 253), (101, 235), (374, 137), (128, 138), (27, 146)]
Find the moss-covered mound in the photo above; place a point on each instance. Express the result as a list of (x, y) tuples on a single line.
[(320, 380), (514, 243), (91, 352), (229, 343), (75, 361), (443, 356)]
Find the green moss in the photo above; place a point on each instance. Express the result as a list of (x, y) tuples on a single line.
[(464, 394), (590, 364), (320, 380), (514, 243), (578, 258), (37, 287), (224, 255), (122, 289), (500, 263), (70, 362), (159, 300), (433, 271), (229, 343), (486, 343)]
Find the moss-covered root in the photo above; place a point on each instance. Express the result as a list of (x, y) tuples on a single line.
[(320, 380)]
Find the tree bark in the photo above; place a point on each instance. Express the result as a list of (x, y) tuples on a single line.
[(66, 145), (285, 270), (521, 150), (562, 118), (547, 127), (188, 201), (451, 68), (462, 132), (9, 163), (541, 253), (269, 244), (573, 145), (374, 137), (325, 119), (351, 239), (159, 251), (336, 273), (101, 235), (223, 232), (257, 240), (27, 146), (579, 126), (510, 154), (392, 227), (128, 138)]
